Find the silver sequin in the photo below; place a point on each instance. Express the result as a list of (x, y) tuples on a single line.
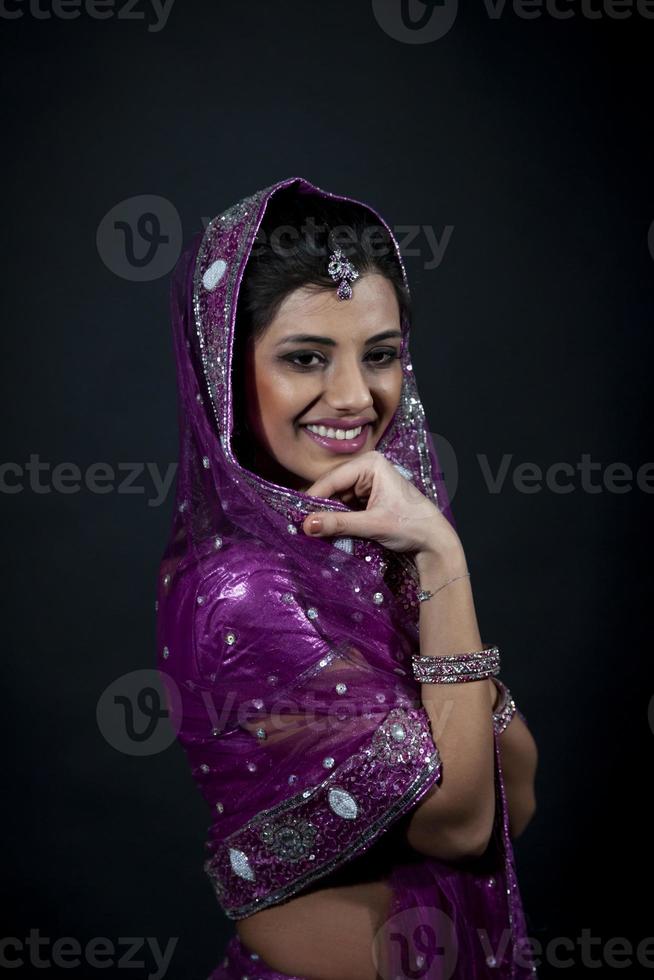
[(217, 542), (341, 688), (230, 637), (240, 863), (291, 528), (200, 600), (261, 733), (378, 598), (342, 803), (166, 653), (399, 738), (214, 274), (206, 462), (312, 613), (328, 761)]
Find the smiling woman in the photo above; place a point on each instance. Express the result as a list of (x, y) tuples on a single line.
[(354, 833), (330, 389)]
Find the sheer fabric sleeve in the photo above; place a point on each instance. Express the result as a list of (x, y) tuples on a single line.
[(317, 747)]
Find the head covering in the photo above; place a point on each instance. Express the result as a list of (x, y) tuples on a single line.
[(285, 658)]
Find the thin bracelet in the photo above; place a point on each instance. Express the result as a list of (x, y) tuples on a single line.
[(425, 594)]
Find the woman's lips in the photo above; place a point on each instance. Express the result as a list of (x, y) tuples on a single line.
[(340, 445)]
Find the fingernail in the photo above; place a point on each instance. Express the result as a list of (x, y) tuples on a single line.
[(315, 525)]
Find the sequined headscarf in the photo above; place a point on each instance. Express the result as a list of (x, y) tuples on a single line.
[(286, 659)]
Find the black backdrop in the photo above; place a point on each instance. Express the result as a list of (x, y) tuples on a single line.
[(522, 146)]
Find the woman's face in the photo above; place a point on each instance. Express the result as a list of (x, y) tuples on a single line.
[(323, 380)]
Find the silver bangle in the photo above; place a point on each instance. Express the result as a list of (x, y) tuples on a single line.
[(506, 708), (474, 666), (425, 594)]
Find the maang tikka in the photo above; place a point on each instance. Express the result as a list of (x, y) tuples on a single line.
[(342, 271)]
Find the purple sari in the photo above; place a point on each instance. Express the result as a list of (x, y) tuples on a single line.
[(286, 663)]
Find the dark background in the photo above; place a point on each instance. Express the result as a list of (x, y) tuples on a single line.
[(530, 139)]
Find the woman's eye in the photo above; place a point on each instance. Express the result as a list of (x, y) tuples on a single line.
[(384, 356), (312, 359), (307, 355)]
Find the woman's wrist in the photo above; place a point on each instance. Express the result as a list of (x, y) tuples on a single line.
[(440, 562)]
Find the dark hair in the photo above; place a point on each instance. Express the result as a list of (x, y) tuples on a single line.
[(292, 247), (291, 250)]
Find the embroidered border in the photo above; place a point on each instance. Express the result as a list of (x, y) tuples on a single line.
[(317, 830)]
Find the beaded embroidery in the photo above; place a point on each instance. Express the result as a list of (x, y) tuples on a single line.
[(282, 849)]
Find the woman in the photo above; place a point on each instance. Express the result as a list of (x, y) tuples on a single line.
[(365, 767)]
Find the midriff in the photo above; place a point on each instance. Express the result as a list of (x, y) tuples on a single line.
[(327, 931)]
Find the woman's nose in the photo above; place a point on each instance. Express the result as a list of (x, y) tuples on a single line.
[(348, 388)]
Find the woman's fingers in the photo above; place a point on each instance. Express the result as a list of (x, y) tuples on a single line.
[(341, 477), (361, 524)]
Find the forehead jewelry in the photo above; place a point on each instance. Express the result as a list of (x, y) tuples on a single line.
[(343, 272)]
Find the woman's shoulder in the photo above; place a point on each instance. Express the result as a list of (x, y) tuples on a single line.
[(243, 573)]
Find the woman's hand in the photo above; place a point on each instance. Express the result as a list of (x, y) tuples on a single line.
[(396, 513)]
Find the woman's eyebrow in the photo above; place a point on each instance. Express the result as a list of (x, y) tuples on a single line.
[(307, 338)]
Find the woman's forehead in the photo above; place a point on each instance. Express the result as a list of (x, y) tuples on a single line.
[(372, 308)]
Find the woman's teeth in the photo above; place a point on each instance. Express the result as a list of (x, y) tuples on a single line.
[(322, 430)]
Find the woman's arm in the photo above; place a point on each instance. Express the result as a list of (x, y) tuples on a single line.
[(456, 818)]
